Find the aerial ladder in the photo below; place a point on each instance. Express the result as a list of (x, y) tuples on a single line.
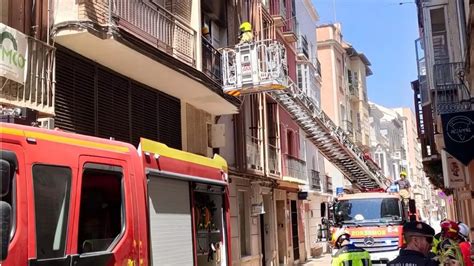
[(261, 67)]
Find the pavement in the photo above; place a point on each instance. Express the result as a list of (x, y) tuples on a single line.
[(323, 260)]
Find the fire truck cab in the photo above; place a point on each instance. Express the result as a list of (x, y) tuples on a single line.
[(69, 199), (373, 219)]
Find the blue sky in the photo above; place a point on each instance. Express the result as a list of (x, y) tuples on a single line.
[(385, 32)]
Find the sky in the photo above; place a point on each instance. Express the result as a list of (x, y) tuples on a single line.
[(385, 32)]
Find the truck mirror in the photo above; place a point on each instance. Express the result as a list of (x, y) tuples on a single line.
[(5, 173), (5, 224)]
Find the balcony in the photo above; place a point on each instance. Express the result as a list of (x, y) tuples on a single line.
[(318, 68), (354, 92), (278, 12), (315, 180), (329, 188), (254, 154), (295, 168), (274, 161), (157, 26), (303, 50), (147, 43), (290, 30), (211, 61), (348, 127), (450, 94), (37, 92)]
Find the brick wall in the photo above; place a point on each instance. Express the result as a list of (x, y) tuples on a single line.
[(96, 11)]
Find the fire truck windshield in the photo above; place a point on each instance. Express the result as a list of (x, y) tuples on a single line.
[(381, 210)]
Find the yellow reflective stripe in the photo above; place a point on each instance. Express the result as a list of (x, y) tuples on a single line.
[(63, 140), (161, 149)]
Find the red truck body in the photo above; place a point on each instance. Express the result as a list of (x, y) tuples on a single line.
[(80, 200)]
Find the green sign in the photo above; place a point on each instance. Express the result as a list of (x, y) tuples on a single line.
[(13, 54)]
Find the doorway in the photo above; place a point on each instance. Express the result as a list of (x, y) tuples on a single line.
[(294, 230), (281, 224), (262, 237)]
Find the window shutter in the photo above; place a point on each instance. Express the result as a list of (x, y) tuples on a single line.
[(144, 114), (169, 120), (112, 106), (74, 102)]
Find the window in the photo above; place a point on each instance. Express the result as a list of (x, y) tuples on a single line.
[(52, 187), (244, 232), (101, 216), (8, 164), (4, 11)]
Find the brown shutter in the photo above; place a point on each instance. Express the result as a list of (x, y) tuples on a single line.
[(112, 106), (169, 120), (74, 102), (93, 100), (144, 113)]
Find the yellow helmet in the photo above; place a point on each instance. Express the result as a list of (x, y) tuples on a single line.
[(246, 26), (339, 236), (403, 173), (205, 30)]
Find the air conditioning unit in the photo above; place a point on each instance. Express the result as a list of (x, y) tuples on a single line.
[(46, 122), (216, 135)]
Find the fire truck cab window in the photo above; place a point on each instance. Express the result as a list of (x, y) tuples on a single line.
[(52, 186), (101, 216), (8, 166)]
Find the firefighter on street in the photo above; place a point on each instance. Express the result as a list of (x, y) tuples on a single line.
[(348, 254)]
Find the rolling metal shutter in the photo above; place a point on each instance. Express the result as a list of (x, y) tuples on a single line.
[(93, 100), (170, 222)]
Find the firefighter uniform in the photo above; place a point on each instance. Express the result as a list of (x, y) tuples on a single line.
[(246, 35), (350, 255)]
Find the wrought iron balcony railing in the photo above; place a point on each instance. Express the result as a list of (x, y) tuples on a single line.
[(315, 179), (254, 153), (318, 64), (450, 93), (37, 92), (211, 61), (291, 26), (303, 46), (348, 126), (278, 12), (295, 167), (157, 26), (274, 159)]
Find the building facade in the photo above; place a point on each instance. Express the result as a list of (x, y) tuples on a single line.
[(344, 90), (443, 91)]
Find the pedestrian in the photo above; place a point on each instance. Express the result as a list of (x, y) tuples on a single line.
[(464, 244), (419, 238), (349, 254)]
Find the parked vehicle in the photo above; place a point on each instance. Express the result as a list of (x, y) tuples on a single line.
[(80, 200)]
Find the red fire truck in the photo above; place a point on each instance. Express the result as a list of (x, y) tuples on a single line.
[(69, 199), (373, 219)]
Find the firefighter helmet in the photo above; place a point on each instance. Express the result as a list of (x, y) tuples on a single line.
[(340, 236), (403, 173), (464, 230), (449, 229), (246, 27)]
